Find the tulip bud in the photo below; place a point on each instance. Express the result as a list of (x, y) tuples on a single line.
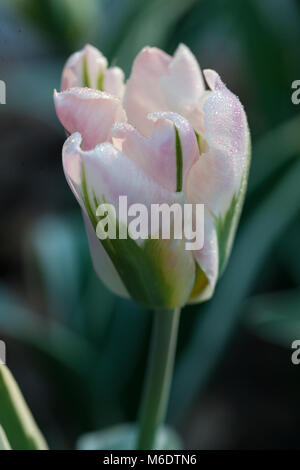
[(169, 141)]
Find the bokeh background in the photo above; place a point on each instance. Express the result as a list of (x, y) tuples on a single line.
[(77, 351)]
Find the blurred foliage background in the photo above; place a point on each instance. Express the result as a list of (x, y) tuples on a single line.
[(79, 352)]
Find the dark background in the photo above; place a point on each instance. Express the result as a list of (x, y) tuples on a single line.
[(77, 351)]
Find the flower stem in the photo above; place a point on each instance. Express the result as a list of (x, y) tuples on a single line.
[(159, 376)]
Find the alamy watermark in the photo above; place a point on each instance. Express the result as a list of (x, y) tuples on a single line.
[(176, 222), (2, 352), (296, 354), (296, 94), (2, 92)]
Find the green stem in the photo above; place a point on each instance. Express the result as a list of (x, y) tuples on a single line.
[(159, 376)]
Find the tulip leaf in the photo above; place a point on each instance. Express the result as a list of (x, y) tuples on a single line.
[(49, 337), (124, 437), (15, 416), (100, 82), (4, 444)]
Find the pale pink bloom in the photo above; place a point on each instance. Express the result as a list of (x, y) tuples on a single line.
[(130, 147)]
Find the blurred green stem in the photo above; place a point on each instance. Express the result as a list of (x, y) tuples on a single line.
[(159, 376)]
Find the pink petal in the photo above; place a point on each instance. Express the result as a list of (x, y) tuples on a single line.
[(217, 175), (156, 155), (73, 75), (90, 112), (159, 82), (110, 174), (183, 86), (91, 61), (114, 82), (143, 93)]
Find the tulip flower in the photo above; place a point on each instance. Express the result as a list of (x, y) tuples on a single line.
[(132, 136), (169, 136)]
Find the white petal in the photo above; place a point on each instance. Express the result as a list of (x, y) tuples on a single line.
[(217, 176), (157, 154), (159, 82), (183, 86), (90, 112), (110, 173), (73, 72), (143, 93), (114, 82)]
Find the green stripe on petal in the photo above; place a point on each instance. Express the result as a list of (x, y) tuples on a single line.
[(86, 199), (86, 78), (100, 81), (198, 141), (224, 227), (179, 162)]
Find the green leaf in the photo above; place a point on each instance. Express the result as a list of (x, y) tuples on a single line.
[(15, 416), (124, 437), (4, 444), (46, 336)]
